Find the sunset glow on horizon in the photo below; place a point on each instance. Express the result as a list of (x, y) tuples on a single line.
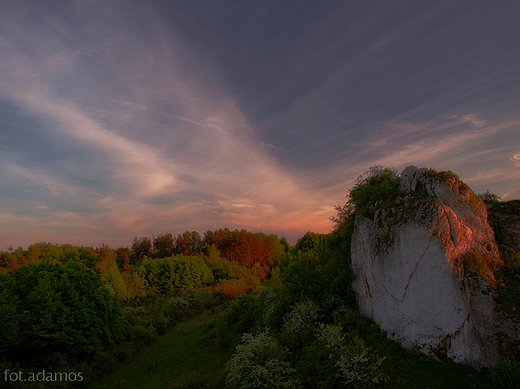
[(123, 118)]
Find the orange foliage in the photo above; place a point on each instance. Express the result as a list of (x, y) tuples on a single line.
[(231, 288), (245, 247)]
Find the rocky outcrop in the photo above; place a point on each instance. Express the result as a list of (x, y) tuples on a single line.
[(428, 278)]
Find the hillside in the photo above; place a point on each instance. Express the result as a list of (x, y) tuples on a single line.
[(263, 314)]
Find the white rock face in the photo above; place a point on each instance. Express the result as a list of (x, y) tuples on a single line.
[(415, 284)]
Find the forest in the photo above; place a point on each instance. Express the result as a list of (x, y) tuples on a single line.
[(279, 315), (63, 307)]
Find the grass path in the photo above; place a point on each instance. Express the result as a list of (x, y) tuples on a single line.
[(185, 358), (179, 359)]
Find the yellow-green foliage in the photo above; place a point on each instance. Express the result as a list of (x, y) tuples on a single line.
[(221, 267), (45, 252), (111, 277), (171, 274), (135, 285)]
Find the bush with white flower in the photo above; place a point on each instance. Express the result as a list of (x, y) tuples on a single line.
[(356, 367), (258, 362), (304, 315)]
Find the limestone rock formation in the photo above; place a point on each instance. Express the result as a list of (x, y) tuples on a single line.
[(427, 275)]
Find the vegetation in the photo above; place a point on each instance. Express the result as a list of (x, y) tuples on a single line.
[(508, 299), (229, 309), (377, 195), (259, 361), (180, 359), (67, 308), (379, 186), (325, 341), (498, 212), (56, 309), (509, 290)]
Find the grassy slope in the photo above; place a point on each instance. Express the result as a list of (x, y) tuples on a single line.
[(183, 358), (180, 359), (420, 371)]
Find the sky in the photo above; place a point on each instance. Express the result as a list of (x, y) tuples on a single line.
[(123, 118)]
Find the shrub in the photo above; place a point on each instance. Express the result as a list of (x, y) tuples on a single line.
[(331, 338), (355, 366), (509, 289), (269, 304), (378, 184), (239, 318), (303, 316), (505, 375), (258, 363), (141, 335), (358, 369)]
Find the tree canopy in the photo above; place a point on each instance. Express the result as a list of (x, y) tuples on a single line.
[(53, 308)]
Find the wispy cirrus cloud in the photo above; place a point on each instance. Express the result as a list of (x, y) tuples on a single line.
[(481, 151), (128, 118), (171, 152), (138, 167)]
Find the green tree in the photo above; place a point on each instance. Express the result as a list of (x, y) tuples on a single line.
[(222, 268), (84, 255), (8, 315), (107, 268), (310, 241), (285, 245), (172, 274), (58, 308)]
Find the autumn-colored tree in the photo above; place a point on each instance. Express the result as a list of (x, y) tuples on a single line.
[(189, 243), (141, 247), (163, 246), (8, 261), (123, 259), (245, 247)]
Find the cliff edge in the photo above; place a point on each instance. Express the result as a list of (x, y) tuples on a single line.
[(424, 268)]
